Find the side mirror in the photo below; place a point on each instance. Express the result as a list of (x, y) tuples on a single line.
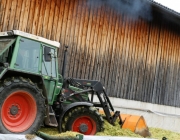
[(47, 54)]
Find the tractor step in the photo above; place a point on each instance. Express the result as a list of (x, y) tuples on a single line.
[(52, 118)]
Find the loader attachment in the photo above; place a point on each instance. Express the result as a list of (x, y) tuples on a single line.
[(91, 88), (136, 124)]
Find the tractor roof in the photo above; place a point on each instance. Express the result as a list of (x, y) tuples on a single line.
[(31, 36)]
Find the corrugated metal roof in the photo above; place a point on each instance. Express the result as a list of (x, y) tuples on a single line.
[(154, 3)]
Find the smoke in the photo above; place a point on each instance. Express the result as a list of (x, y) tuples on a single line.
[(134, 8)]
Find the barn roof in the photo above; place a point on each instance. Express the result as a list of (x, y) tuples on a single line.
[(165, 11), (162, 7)]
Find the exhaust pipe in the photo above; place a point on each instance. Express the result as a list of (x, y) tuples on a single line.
[(64, 61)]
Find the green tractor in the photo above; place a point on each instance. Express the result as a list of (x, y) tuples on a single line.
[(33, 93)]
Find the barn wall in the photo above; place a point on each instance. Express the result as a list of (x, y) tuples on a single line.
[(135, 59)]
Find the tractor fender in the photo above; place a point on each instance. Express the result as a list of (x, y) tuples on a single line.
[(70, 106)]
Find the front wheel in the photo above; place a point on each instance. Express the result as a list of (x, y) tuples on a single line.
[(85, 120), (22, 106)]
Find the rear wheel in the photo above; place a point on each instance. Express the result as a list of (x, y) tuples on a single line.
[(85, 120), (22, 106)]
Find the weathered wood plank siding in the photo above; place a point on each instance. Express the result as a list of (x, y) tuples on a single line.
[(135, 59)]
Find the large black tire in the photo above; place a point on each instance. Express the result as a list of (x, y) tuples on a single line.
[(22, 106), (83, 119)]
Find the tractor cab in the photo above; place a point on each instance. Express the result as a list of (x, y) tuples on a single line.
[(25, 53)]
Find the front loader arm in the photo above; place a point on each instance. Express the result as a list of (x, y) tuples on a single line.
[(92, 87)]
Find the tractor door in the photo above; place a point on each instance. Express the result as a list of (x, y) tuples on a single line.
[(49, 71)]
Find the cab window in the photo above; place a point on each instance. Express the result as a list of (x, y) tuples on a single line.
[(49, 66), (28, 55)]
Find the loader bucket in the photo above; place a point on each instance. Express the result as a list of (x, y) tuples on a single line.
[(136, 124)]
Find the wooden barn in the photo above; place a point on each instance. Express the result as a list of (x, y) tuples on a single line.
[(132, 47)]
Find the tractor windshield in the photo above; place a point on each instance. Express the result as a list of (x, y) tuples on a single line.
[(5, 49), (28, 55)]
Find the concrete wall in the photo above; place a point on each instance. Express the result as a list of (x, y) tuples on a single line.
[(159, 116)]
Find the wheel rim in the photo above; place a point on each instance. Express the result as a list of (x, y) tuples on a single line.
[(84, 125), (18, 111)]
